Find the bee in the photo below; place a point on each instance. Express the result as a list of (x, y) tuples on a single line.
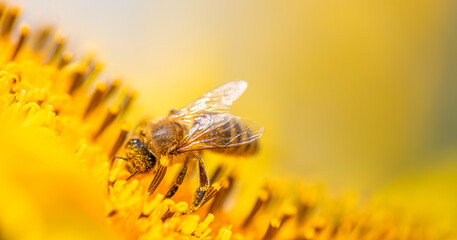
[(203, 125)]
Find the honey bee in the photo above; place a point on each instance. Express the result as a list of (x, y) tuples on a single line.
[(203, 125)]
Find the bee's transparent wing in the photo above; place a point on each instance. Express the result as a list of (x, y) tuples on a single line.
[(219, 131), (209, 124), (218, 100)]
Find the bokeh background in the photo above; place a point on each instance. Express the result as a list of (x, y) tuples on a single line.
[(355, 94)]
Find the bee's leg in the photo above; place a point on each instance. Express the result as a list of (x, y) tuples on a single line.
[(160, 173), (204, 185), (178, 181)]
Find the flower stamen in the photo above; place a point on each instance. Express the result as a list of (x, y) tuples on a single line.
[(127, 102), (2, 12), (23, 36), (112, 113), (319, 225), (263, 197), (112, 88), (112, 213), (276, 224), (9, 21), (64, 60), (120, 140), (226, 187), (217, 172), (178, 207), (96, 98), (43, 37), (76, 81), (272, 229), (304, 208), (58, 48), (219, 198)]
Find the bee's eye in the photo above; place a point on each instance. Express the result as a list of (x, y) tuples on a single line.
[(142, 133)]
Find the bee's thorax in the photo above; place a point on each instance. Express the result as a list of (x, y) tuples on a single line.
[(162, 137)]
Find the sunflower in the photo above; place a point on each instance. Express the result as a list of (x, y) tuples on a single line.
[(61, 130)]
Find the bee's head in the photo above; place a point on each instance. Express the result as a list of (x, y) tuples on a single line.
[(141, 159)]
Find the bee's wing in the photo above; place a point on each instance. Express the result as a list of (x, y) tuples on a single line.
[(218, 100), (209, 124), (218, 131)]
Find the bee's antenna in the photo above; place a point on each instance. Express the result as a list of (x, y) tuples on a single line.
[(125, 159)]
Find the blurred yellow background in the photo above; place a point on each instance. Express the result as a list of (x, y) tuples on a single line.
[(356, 94)]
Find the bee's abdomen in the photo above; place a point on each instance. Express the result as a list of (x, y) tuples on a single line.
[(236, 137)]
